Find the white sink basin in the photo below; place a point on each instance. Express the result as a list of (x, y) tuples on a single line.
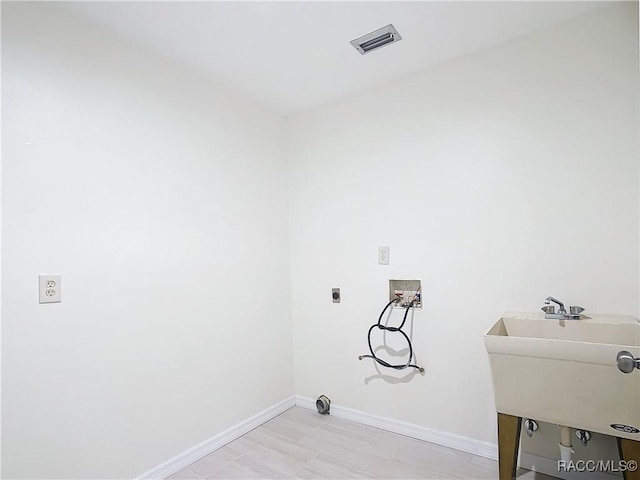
[(565, 371)]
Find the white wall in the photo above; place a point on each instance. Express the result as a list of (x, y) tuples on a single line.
[(497, 179), (160, 199)]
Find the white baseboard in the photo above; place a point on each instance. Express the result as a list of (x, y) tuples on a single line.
[(457, 442), (549, 466), (203, 449)]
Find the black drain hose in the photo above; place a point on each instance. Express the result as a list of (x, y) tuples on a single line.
[(392, 329)]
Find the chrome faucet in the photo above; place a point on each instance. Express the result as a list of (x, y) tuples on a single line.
[(557, 302), (550, 311)]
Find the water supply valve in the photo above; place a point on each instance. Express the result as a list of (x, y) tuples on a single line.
[(408, 292), (531, 426), (584, 436)]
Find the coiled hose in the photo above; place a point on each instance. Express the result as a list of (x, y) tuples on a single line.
[(380, 326)]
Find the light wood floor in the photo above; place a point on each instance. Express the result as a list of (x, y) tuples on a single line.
[(303, 444)]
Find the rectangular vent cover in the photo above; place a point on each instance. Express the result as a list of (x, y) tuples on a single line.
[(376, 39)]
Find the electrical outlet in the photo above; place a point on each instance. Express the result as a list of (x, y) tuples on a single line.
[(335, 295), (383, 255), (49, 288)]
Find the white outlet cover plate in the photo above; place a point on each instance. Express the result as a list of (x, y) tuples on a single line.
[(383, 255), (49, 288)]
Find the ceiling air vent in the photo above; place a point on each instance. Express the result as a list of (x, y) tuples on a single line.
[(376, 39)]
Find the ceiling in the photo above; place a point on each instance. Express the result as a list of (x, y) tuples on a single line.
[(292, 56)]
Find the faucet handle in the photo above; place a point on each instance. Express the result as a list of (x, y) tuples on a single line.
[(557, 302), (575, 310), (549, 309)]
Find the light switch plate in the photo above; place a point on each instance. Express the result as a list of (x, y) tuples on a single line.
[(49, 288)]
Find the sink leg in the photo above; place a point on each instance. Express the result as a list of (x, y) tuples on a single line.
[(508, 442), (630, 450)]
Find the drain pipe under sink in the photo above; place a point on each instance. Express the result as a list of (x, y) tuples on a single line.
[(565, 443)]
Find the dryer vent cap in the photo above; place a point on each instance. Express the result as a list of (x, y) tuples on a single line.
[(376, 39), (323, 404)]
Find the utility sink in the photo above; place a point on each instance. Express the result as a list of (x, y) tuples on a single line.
[(565, 371)]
